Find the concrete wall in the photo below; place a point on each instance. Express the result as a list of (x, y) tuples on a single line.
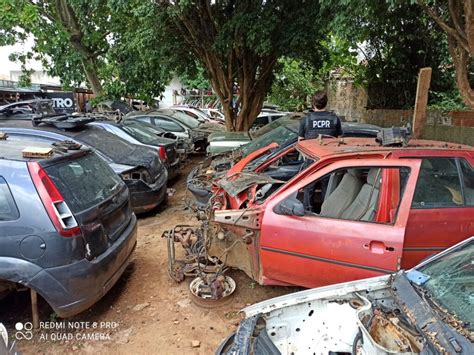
[(346, 99), (439, 125)]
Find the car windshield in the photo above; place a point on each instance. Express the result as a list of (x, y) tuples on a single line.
[(141, 133), (186, 119), (278, 135), (451, 282), (286, 120)]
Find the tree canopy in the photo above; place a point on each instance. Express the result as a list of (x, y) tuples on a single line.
[(133, 48), (239, 43), (101, 43)]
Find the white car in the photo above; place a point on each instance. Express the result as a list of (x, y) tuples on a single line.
[(194, 112), (428, 309), (214, 113)]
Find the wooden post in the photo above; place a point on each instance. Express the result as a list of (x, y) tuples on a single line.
[(419, 114), (34, 309)]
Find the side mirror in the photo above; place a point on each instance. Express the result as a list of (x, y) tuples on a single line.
[(291, 206)]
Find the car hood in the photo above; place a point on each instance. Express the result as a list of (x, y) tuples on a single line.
[(240, 182), (229, 136), (294, 299), (208, 128), (120, 168)]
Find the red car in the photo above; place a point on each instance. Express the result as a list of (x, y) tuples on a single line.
[(358, 210)]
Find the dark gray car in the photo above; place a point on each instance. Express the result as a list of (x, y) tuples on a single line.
[(67, 229)]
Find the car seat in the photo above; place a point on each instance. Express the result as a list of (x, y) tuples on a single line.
[(343, 195), (364, 206)]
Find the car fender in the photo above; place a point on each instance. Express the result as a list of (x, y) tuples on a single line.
[(27, 274)]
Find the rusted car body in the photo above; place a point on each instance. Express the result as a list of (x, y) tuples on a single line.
[(376, 210)]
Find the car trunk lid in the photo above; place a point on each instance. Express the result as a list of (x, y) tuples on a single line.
[(96, 196)]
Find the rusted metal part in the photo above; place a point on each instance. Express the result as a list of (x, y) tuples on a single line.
[(193, 244), (34, 309), (235, 246), (240, 182), (387, 331), (196, 261), (246, 218)]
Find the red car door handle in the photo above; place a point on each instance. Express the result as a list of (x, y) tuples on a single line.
[(378, 247)]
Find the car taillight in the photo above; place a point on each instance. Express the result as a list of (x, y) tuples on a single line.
[(53, 201), (163, 155)]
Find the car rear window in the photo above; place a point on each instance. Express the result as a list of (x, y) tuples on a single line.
[(141, 133), (84, 182), (107, 143), (8, 209)]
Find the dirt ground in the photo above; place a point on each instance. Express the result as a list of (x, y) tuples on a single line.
[(146, 311)]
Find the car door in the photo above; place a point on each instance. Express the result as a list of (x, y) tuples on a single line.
[(442, 209), (315, 250)]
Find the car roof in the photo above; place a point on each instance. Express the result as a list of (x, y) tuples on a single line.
[(26, 123), (12, 148), (316, 148), (23, 103)]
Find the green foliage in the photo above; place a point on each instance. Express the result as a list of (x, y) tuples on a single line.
[(396, 39), (294, 82), (115, 39), (446, 101), (241, 42), (341, 58), (24, 80), (195, 77)]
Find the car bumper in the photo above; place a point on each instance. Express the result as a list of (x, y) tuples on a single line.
[(146, 197), (201, 193), (173, 169), (73, 288)]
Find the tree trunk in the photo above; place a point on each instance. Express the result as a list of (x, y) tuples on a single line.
[(460, 32), (90, 69), (461, 61), (68, 19)]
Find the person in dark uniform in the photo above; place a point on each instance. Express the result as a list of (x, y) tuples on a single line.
[(319, 121), (316, 122)]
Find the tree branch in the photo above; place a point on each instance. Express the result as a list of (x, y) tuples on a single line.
[(444, 26), (455, 13)]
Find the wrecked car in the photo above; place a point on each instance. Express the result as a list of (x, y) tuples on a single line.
[(140, 167), (427, 310), (361, 209), (273, 154), (180, 124), (221, 142), (67, 230), (137, 133)]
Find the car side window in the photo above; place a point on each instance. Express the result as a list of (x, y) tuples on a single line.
[(438, 185), (260, 121), (467, 172), (8, 209), (168, 125), (371, 194), (145, 119)]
